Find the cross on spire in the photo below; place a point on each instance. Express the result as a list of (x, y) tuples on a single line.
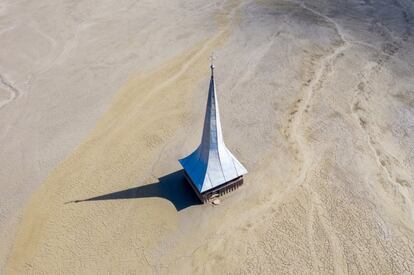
[(212, 58)]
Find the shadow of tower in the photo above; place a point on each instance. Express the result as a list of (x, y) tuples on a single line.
[(171, 187)]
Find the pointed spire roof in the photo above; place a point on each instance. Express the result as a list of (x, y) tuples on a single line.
[(212, 164)]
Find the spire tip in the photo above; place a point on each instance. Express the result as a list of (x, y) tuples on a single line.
[(212, 61)]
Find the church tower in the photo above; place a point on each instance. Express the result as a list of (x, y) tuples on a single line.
[(212, 169)]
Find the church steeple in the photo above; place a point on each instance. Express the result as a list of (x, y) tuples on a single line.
[(212, 164)]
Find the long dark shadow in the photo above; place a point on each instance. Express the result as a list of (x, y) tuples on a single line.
[(171, 187)]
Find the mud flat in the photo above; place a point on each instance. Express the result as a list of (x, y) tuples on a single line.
[(99, 100)]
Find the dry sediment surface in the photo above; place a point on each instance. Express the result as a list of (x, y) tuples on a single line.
[(99, 99)]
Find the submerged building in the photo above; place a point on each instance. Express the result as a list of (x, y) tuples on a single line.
[(212, 169)]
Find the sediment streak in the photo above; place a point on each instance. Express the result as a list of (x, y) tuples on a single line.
[(14, 92)]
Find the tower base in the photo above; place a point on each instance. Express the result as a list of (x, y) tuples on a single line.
[(217, 191)]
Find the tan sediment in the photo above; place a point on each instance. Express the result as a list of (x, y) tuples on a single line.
[(117, 154)]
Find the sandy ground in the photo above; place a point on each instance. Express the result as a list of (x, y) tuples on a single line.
[(98, 100)]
